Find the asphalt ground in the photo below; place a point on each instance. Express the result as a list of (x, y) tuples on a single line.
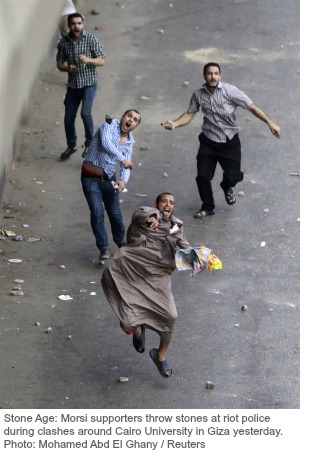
[(252, 356)]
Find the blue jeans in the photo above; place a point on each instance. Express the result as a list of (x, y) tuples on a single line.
[(73, 98), (101, 196)]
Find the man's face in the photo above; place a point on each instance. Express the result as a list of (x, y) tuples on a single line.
[(130, 121), (212, 76), (166, 205), (76, 27)]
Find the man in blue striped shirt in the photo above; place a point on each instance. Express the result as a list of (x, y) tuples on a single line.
[(78, 54), (219, 139), (111, 145)]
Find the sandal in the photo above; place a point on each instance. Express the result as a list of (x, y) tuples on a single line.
[(203, 213), (139, 342), (162, 366), (230, 196)]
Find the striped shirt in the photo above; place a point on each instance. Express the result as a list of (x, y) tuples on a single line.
[(106, 152), (69, 51), (218, 109)]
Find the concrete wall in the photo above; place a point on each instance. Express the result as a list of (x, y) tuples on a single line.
[(27, 30)]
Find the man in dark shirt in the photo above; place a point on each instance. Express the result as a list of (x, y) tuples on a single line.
[(219, 139), (78, 54)]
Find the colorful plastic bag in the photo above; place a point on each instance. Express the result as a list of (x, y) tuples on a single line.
[(213, 263), (197, 259)]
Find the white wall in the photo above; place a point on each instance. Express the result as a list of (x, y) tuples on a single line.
[(27, 28)]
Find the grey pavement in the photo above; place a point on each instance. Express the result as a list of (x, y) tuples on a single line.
[(251, 356)]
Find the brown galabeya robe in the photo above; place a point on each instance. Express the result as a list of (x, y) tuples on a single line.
[(137, 282)]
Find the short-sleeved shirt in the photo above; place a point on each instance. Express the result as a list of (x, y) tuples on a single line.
[(218, 109), (69, 51), (106, 152)]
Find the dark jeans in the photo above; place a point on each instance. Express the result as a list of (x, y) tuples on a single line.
[(73, 98), (101, 196), (228, 155)]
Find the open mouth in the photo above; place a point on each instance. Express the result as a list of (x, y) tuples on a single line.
[(127, 125)]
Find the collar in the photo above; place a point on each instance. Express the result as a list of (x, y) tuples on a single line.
[(83, 35), (130, 136), (174, 220), (204, 87)]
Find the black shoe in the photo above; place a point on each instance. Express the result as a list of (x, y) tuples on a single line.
[(67, 153), (105, 254), (84, 153)]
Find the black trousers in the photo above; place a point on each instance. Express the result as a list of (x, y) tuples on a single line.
[(228, 154)]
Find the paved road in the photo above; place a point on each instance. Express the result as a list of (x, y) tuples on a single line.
[(253, 356)]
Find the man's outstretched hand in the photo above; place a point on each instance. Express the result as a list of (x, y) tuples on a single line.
[(169, 124), (152, 222)]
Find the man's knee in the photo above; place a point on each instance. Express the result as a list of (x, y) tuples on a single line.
[(173, 317), (86, 117), (97, 217), (69, 120), (202, 180), (169, 329)]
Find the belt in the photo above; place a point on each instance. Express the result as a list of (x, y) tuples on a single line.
[(91, 175)]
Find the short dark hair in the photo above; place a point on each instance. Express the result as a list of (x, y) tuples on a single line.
[(134, 110), (72, 16), (211, 63), (158, 198)]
